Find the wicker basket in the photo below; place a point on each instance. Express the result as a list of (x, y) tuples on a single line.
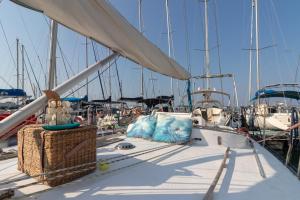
[(41, 151)]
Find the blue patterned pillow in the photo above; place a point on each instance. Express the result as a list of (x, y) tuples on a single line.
[(172, 129), (142, 128)]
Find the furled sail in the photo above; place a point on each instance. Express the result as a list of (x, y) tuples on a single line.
[(98, 20)]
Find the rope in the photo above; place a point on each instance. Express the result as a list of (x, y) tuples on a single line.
[(103, 173), (273, 136), (138, 153), (209, 193), (259, 165)]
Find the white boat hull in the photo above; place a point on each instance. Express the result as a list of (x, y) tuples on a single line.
[(177, 172), (273, 121)]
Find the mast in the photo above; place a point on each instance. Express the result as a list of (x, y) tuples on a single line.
[(18, 73), (87, 65), (206, 46), (141, 30), (169, 39), (109, 77), (257, 45), (23, 68), (52, 56), (250, 52)]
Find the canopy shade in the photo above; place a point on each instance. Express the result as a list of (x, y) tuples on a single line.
[(273, 93), (98, 20), (213, 76), (108, 100), (133, 99), (282, 85), (8, 93), (151, 102), (210, 92), (75, 99)]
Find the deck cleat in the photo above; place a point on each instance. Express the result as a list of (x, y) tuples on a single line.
[(124, 146)]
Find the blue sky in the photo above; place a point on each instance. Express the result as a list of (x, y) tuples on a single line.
[(278, 26)]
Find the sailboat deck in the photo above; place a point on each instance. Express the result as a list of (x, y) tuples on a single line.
[(176, 172)]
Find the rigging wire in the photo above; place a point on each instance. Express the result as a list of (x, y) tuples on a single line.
[(31, 41), (90, 80), (63, 60), (218, 46), (5, 81), (271, 19), (31, 84), (6, 40), (117, 71), (38, 85), (66, 61), (99, 76), (282, 36)]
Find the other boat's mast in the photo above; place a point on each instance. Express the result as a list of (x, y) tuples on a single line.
[(250, 52), (87, 65), (18, 73), (52, 56), (23, 67), (257, 45), (109, 78), (169, 39), (206, 46), (141, 30)]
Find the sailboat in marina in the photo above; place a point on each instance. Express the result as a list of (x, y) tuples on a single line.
[(210, 111), (277, 115), (265, 113), (209, 163)]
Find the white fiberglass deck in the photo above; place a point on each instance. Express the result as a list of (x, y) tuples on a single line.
[(177, 172)]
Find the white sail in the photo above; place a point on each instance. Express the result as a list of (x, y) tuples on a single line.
[(98, 20)]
